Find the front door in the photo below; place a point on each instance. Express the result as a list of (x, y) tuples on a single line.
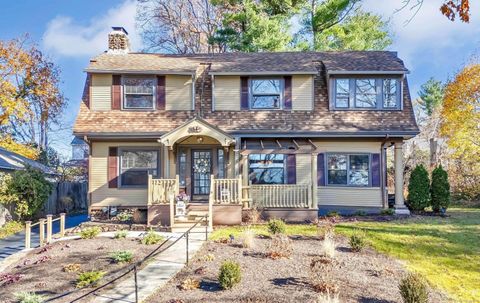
[(201, 171)]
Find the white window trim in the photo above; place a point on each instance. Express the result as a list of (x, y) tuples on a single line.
[(282, 93), (124, 99), (348, 169)]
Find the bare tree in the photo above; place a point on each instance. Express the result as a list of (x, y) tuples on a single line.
[(181, 26)]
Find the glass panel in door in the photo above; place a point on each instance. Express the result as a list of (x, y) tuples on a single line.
[(201, 171)]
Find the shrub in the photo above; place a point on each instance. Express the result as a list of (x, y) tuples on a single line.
[(360, 213), (440, 189), (29, 297), (89, 278), (230, 274), (10, 228), (122, 256), (328, 298), (73, 267), (151, 238), (280, 247), (357, 241), (324, 231), (121, 234), (387, 212), (321, 277), (276, 226), (90, 232), (27, 189), (190, 284), (209, 257), (124, 216), (413, 289), (328, 247), (248, 238), (419, 189)]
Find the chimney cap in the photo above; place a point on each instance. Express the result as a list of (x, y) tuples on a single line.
[(119, 29)]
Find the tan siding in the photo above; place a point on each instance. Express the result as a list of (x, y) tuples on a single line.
[(227, 93), (348, 146), (304, 171), (101, 194), (178, 92), (101, 92), (349, 196), (302, 92)]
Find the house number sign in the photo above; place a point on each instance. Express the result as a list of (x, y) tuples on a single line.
[(194, 129)]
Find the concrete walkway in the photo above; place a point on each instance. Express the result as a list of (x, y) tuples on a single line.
[(157, 272), (16, 242)]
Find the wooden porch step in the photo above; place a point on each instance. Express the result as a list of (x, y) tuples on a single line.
[(197, 213)]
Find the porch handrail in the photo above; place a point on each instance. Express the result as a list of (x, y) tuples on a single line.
[(160, 191), (226, 191), (280, 195)]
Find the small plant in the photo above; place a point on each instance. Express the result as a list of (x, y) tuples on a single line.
[(248, 238), (90, 232), (328, 247), (387, 212), (357, 241), (280, 247), (89, 278), (440, 189), (230, 274), (328, 298), (360, 213), (321, 277), (419, 189), (124, 216), (190, 284), (326, 230), (29, 297), (121, 234), (333, 214), (7, 279), (413, 289), (209, 257), (151, 238), (72, 267), (122, 256), (276, 226)]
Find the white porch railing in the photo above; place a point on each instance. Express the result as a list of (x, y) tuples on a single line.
[(226, 191), (162, 191), (281, 195)]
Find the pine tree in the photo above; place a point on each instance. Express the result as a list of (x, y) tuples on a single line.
[(440, 189), (419, 189)]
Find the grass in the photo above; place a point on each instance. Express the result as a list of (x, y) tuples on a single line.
[(10, 228), (445, 250)]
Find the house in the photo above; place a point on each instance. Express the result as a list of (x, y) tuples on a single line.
[(290, 133), (11, 162), (79, 157)]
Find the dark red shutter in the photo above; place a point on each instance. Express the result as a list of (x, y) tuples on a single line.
[(321, 170), (288, 92), (161, 92), (116, 92), (291, 169), (244, 92), (112, 167), (376, 171)]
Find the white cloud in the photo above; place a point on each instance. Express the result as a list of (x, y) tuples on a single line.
[(65, 37)]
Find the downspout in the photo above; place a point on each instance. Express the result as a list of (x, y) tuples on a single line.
[(383, 165)]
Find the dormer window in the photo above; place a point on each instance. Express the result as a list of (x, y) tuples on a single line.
[(266, 93), (139, 92), (366, 93)]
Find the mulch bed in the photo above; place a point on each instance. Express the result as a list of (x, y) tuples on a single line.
[(366, 276), (41, 271)]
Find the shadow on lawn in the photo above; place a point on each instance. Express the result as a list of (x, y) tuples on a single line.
[(288, 281), (373, 300)]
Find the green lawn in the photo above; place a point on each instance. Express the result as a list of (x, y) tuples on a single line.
[(445, 250)]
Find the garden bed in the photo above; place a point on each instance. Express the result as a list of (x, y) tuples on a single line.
[(42, 269), (365, 276)]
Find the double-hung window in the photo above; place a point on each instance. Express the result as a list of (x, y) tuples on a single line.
[(266, 168), (136, 165), (390, 93), (365, 93), (139, 92), (348, 169), (342, 93), (266, 93)]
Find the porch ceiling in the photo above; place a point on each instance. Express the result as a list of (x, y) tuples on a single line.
[(277, 145)]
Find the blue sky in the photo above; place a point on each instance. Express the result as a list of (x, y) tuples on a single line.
[(70, 32)]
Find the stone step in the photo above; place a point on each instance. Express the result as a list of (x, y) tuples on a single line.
[(197, 213)]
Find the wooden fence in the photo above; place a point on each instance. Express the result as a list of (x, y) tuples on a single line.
[(66, 196)]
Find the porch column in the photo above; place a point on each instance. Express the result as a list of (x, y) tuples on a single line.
[(400, 207), (314, 204), (166, 162), (237, 156)]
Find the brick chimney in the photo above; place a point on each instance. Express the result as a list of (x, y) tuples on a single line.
[(118, 42)]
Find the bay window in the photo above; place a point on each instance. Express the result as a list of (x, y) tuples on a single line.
[(139, 92), (136, 165), (348, 169), (266, 93), (266, 168)]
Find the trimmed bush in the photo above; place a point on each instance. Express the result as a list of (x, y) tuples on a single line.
[(419, 189), (29, 297), (440, 189), (89, 278), (413, 289), (121, 234), (357, 241), (151, 238), (90, 232), (276, 226), (230, 274), (122, 256)]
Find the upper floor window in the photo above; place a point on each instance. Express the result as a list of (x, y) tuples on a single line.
[(266, 93), (366, 93), (139, 93)]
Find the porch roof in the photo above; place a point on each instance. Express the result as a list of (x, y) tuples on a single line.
[(277, 145)]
